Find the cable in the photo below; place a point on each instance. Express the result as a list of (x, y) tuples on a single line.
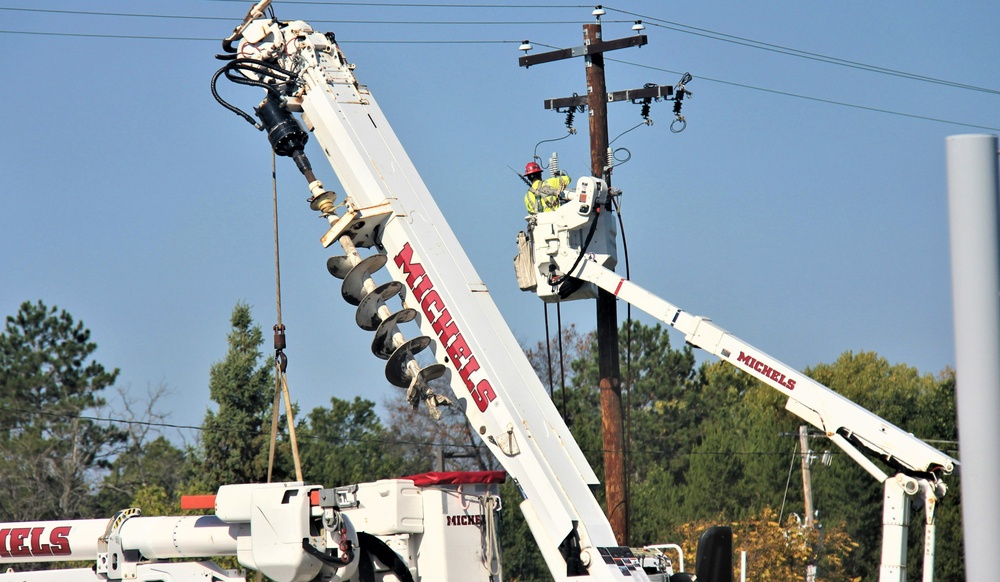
[(678, 27), (422, 5), (818, 99)]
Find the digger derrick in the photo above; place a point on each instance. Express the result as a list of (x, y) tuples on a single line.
[(463, 339)]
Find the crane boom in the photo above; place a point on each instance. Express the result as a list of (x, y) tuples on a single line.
[(388, 208), (576, 244)]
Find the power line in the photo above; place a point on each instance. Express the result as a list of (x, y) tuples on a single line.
[(321, 21), (817, 99), (651, 20), (747, 42), (216, 40), (424, 5), (334, 440)]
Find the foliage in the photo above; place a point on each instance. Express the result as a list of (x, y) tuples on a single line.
[(235, 437), (347, 444), (48, 447), (145, 459), (778, 551)]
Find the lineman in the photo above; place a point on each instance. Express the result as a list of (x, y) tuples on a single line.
[(543, 195)]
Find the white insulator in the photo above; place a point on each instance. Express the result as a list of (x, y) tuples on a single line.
[(611, 158), (554, 165)]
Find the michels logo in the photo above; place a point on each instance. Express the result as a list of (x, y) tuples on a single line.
[(24, 542), (765, 370), (455, 345), (463, 520)]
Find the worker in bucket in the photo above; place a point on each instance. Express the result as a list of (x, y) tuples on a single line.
[(543, 195)]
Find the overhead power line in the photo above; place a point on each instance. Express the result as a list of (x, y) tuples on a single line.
[(519, 23), (747, 42), (651, 20), (816, 99), (508, 42)]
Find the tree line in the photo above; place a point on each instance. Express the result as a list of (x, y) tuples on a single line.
[(706, 444)]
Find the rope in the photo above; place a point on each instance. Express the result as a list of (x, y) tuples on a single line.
[(491, 542), (280, 361)]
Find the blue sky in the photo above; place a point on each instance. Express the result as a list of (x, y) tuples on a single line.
[(803, 208)]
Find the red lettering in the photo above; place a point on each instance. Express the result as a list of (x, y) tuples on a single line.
[(413, 271), (744, 359), (60, 542), (445, 327), (432, 299), (422, 287), (37, 547), (486, 390), (4, 533), (459, 352), (791, 384), (17, 538), (481, 403), (441, 322)]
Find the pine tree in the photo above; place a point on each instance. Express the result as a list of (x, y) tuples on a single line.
[(48, 447), (235, 437)]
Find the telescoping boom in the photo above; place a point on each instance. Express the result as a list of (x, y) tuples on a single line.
[(574, 247)]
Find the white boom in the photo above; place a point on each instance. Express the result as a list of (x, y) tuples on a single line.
[(578, 240), (465, 341), (425, 527)]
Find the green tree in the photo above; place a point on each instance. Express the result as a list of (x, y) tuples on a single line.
[(919, 403), (347, 444), (235, 438), (146, 459), (49, 450)]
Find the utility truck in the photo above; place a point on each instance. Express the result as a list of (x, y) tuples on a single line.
[(447, 329)]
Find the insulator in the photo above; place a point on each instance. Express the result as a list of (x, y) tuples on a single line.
[(645, 110), (554, 165), (611, 157)]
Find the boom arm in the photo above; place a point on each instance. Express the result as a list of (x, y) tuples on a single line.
[(851, 426), (577, 241), (388, 207)]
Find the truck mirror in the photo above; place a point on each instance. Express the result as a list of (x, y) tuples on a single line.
[(714, 562)]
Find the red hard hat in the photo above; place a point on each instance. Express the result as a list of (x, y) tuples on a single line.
[(532, 168)]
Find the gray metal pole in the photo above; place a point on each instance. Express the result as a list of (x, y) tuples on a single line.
[(975, 264)]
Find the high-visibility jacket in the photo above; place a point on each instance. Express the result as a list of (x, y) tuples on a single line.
[(543, 196)]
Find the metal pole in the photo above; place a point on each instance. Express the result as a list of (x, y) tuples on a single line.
[(975, 264), (607, 310)]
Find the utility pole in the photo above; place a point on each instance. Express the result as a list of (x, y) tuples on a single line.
[(596, 100), (807, 492)]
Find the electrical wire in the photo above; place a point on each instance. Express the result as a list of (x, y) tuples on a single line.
[(817, 99), (648, 19), (747, 42), (658, 453)]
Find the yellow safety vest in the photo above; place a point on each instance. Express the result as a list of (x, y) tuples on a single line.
[(543, 196)]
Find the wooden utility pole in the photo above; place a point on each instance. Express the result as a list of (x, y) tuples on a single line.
[(607, 309), (596, 100)]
